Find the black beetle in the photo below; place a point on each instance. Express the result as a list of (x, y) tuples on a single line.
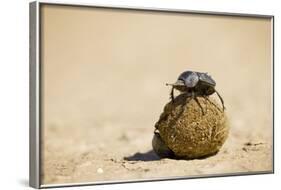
[(196, 84)]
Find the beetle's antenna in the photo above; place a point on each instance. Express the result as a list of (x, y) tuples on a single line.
[(177, 83), (223, 108), (168, 84)]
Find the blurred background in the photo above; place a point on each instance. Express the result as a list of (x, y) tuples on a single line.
[(104, 75)]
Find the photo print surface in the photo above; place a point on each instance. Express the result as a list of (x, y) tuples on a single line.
[(104, 94)]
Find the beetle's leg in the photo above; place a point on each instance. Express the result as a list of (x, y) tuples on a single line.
[(172, 94), (222, 102), (197, 101), (206, 98), (183, 107)]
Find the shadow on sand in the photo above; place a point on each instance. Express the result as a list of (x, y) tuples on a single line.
[(147, 156)]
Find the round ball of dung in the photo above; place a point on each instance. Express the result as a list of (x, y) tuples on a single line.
[(193, 128)]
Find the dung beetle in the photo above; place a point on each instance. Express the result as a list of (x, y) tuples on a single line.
[(196, 84)]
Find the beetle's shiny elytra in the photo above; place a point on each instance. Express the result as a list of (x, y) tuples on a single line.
[(196, 84)]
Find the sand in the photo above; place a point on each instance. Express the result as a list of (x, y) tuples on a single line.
[(73, 156), (104, 90)]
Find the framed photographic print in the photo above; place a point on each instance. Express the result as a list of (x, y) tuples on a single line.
[(131, 94)]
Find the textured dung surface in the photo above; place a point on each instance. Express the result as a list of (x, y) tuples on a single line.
[(188, 132)]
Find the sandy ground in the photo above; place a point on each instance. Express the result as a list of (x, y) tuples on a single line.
[(104, 89)]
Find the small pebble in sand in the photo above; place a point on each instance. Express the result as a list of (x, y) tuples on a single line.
[(99, 170)]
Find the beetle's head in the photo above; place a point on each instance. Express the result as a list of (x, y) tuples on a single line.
[(190, 79)]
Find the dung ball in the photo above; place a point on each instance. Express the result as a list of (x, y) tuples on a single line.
[(191, 129)]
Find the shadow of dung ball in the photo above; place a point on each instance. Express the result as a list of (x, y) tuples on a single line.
[(187, 132)]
